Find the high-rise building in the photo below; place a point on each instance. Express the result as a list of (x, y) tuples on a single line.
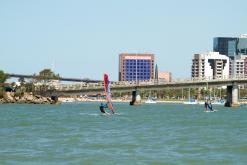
[(230, 46), (210, 65), (245, 67), (136, 67), (156, 74), (238, 66), (226, 46), (242, 45)]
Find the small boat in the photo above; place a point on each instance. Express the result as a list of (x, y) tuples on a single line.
[(219, 102), (68, 100), (150, 101), (191, 102), (201, 102)]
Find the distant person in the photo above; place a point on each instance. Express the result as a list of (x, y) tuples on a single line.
[(102, 107), (206, 105), (210, 106)]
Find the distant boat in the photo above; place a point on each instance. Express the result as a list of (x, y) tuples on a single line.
[(191, 102), (68, 100), (150, 101), (219, 102), (201, 102)]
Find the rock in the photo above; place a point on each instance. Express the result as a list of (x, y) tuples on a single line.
[(49, 99), (38, 96), (27, 98), (9, 97), (21, 101)]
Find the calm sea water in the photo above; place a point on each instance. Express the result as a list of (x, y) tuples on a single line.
[(147, 134)]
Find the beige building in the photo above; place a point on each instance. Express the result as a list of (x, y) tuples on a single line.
[(238, 66), (211, 65), (164, 76)]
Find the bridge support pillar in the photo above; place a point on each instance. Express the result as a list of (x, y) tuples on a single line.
[(136, 98), (199, 95), (232, 96)]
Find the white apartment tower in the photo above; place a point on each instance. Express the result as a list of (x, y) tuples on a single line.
[(211, 65)]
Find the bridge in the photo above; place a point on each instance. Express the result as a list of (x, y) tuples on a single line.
[(232, 87), (60, 78)]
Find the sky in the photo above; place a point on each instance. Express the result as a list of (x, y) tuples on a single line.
[(83, 38)]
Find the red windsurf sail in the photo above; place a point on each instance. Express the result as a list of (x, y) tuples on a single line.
[(108, 92)]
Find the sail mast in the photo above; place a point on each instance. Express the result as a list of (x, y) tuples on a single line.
[(108, 92)]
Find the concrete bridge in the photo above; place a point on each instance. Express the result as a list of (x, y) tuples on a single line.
[(232, 87), (60, 78)]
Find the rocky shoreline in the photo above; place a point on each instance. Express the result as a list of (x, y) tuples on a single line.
[(26, 98)]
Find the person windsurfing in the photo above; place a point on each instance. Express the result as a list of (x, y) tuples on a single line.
[(102, 107), (107, 96), (210, 106), (206, 105)]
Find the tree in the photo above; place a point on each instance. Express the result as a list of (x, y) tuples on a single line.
[(47, 74), (44, 77), (29, 87), (3, 77), (21, 80)]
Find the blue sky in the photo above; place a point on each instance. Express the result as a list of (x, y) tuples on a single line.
[(83, 38)]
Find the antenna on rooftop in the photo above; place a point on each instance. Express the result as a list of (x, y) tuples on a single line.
[(53, 65)]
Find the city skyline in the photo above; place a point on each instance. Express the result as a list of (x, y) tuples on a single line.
[(84, 38)]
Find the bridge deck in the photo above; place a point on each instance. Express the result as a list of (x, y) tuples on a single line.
[(153, 86)]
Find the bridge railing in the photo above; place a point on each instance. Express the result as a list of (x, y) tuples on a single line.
[(81, 86)]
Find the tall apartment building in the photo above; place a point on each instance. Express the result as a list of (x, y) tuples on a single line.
[(245, 67), (238, 66), (136, 67), (210, 65), (230, 46)]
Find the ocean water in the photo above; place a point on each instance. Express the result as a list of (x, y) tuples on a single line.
[(147, 134)]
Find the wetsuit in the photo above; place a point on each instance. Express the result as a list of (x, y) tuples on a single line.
[(206, 105), (102, 107)]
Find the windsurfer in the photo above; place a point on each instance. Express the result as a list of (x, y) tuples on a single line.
[(102, 107), (206, 105), (107, 93), (210, 106)]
